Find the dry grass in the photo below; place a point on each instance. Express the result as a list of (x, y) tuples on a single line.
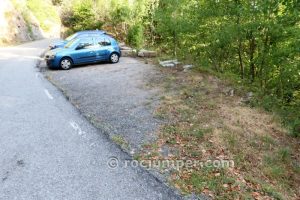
[(204, 123)]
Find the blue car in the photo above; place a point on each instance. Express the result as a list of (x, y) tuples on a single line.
[(80, 34), (83, 51)]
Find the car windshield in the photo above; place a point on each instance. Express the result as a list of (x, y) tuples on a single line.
[(70, 43), (71, 37)]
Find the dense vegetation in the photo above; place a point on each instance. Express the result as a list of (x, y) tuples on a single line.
[(254, 42)]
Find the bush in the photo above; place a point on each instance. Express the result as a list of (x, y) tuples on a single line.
[(120, 14), (135, 36), (296, 128), (56, 2), (81, 17)]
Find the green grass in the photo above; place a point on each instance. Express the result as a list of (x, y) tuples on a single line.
[(120, 141), (207, 178), (200, 133), (266, 187)]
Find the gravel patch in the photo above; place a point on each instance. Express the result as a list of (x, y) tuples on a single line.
[(114, 97)]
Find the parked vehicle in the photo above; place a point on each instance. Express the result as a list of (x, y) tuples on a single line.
[(80, 34), (83, 51)]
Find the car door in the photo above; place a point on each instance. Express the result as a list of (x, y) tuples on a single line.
[(102, 45), (84, 51)]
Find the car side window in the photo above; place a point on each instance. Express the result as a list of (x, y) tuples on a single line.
[(103, 42), (85, 44)]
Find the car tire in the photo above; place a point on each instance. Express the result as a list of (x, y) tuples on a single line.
[(66, 63), (114, 58)]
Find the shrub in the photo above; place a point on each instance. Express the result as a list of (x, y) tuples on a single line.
[(296, 128), (120, 14), (81, 17), (135, 36), (56, 2)]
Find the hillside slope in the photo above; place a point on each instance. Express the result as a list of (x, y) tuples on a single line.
[(19, 21)]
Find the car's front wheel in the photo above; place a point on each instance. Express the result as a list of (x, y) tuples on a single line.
[(114, 58), (66, 63)]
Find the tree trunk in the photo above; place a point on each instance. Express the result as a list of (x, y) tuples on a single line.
[(241, 60), (252, 47), (265, 51), (240, 42)]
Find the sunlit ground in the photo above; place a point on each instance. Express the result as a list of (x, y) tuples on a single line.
[(18, 52)]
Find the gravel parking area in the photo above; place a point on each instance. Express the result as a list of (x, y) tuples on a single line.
[(114, 97)]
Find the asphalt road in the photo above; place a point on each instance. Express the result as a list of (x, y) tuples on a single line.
[(48, 150)]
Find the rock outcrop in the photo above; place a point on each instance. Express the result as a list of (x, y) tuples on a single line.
[(13, 27)]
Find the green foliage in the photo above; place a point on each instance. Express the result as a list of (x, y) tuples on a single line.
[(296, 128), (135, 36), (81, 16), (121, 14), (255, 40), (56, 2)]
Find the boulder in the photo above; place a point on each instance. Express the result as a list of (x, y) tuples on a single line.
[(122, 44), (147, 54), (229, 91), (169, 63), (125, 48), (129, 53), (187, 67), (247, 98)]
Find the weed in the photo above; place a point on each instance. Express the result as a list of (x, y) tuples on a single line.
[(120, 141)]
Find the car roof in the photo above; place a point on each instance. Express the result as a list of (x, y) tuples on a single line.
[(95, 36), (91, 31)]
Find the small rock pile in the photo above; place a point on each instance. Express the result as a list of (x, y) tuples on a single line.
[(169, 63), (175, 63), (130, 52)]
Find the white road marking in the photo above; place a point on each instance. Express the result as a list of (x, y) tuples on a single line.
[(48, 94), (80, 132), (74, 125), (77, 128), (92, 145)]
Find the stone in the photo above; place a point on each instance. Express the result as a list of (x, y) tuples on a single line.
[(247, 98), (228, 92), (249, 95), (169, 63), (125, 48), (231, 92), (122, 44), (128, 53), (147, 54), (187, 67)]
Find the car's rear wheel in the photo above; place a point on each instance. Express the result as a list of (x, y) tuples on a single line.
[(114, 58), (66, 63)]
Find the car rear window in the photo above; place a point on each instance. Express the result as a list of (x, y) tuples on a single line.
[(103, 41)]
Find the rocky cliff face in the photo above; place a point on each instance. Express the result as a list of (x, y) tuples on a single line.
[(14, 28)]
